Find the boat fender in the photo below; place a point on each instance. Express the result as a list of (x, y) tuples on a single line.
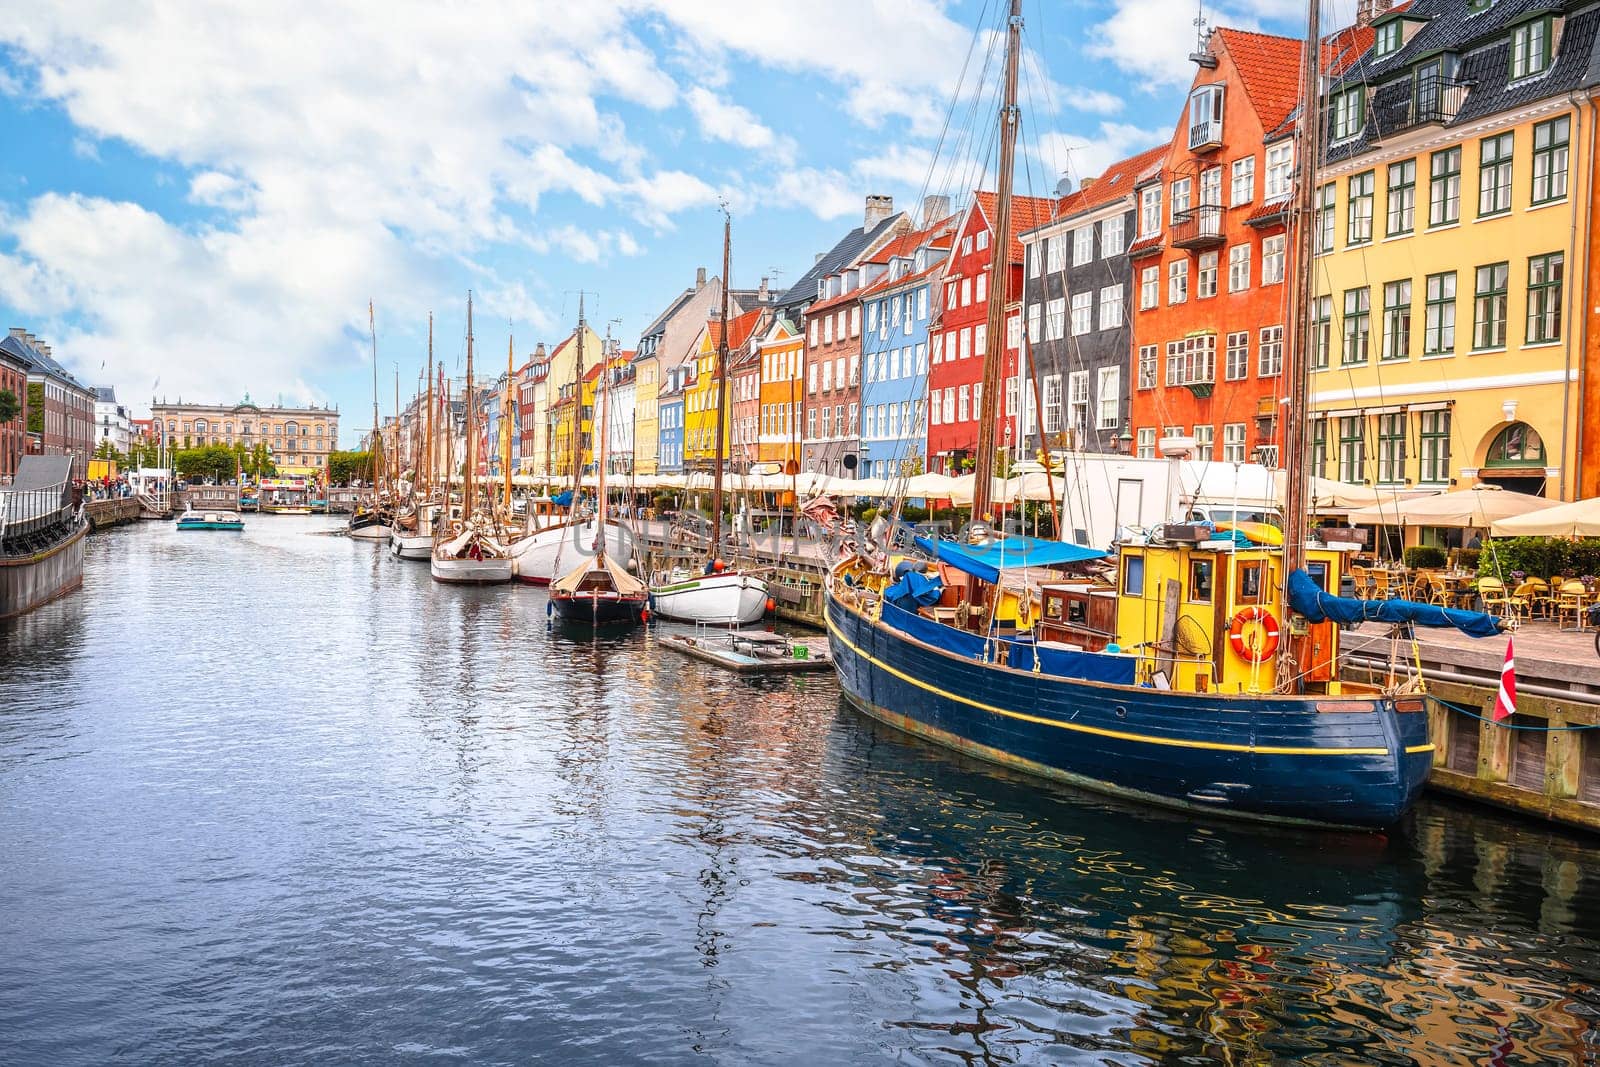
[(549, 608), (1264, 645), (772, 605)]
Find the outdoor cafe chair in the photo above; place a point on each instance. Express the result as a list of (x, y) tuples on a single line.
[(1571, 599), (1492, 591)]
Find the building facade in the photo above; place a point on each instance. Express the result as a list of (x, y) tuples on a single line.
[(13, 434), (664, 344), (669, 418), (1455, 206), (298, 439), (782, 352), (60, 410), (112, 425)]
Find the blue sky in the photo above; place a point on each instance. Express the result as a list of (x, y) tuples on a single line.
[(201, 197)]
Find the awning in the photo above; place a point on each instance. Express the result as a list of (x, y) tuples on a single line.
[(987, 561)]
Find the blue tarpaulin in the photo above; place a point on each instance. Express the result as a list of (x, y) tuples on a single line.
[(562, 499), (1060, 662), (986, 562), (914, 590), (1306, 597)]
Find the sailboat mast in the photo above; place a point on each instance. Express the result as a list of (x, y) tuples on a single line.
[(577, 413), (468, 499), (377, 441), (428, 418), (1298, 359), (999, 274), (505, 421), (722, 390), (600, 451)]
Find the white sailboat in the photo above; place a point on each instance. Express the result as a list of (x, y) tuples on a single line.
[(372, 522), (714, 595), (411, 536)]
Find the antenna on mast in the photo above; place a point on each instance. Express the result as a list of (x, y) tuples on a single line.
[(1201, 56)]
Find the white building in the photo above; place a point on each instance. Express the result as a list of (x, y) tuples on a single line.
[(111, 420)]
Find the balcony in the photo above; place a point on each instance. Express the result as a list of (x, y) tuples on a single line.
[(1198, 228), (1434, 101), (1205, 135)]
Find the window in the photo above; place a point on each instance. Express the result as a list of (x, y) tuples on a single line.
[(1325, 199), (1402, 198), (1236, 362), (1518, 445), (1055, 248), (1147, 366), (1111, 239), (827, 375), (1082, 313), (1439, 322), (1322, 331), (827, 330), (1082, 245), (1078, 401), (1205, 436), (1211, 187), (1033, 327), (1243, 185), (1319, 447), (964, 344), (1032, 256), (827, 422), (1358, 225), (1177, 372), (1544, 298), (1205, 116), (1149, 287), (1444, 187), (1206, 276), (1530, 48), (1433, 451), (1387, 40), (1146, 450), (1177, 281), (1133, 564), (1233, 442), (1357, 321), (950, 297), (1348, 113), (1396, 320), (922, 303), (1272, 259), (1108, 398), (1200, 358), (1280, 170), (1392, 448), (1550, 156), (855, 411), (1270, 359), (1352, 450), (1149, 210), (1110, 307), (938, 347), (1056, 319), (949, 405), (1200, 579), (1014, 331), (983, 240), (982, 295), (966, 292), (1051, 420), (1180, 197), (1489, 306), (1238, 268), (980, 339), (1494, 175)]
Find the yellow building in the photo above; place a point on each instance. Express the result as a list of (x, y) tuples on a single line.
[(552, 419), (1456, 201), (700, 399), (298, 438), (665, 343)]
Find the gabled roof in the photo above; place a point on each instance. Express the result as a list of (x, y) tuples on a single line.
[(841, 255), (1027, 213), (105, 394), (1118, 180), (36, 359), (659, 323), (1269, 69), (740, 327)]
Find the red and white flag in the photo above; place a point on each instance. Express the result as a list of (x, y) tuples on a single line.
[(1505, 701)]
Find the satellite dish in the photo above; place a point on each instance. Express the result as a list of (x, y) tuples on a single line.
[(1064, 186)]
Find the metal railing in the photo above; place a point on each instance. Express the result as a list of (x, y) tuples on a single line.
[(1198, 227), (1434, 99), (1204, 133), (26, 512)]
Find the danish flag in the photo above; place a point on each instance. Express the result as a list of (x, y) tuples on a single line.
[(1505, 701)]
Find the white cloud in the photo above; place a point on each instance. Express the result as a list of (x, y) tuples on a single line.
[(1153, 38), (1080, 156), (721, 120)]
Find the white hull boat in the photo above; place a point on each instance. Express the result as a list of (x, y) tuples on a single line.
[(725, 599), (544, 556), (373, 532), (487, 571), (411, 545)]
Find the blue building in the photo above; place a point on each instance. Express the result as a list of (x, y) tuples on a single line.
[(894, 353), (669, 413)]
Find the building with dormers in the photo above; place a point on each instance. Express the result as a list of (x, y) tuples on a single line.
[(782, 352), (1454, 233), (59, 417)]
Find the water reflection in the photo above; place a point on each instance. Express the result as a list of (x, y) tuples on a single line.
[(284, 798)]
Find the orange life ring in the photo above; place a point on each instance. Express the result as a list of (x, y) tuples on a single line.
[(1265, 646)]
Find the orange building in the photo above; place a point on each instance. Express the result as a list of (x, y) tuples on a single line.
[(782, 391), (1210, 260)]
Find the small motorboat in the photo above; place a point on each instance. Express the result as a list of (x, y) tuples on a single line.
[(599, 593), (210, 520)]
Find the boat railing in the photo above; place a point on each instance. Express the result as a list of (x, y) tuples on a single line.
[(25, 513)]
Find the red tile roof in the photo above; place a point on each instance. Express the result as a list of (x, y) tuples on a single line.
[(740, 327), (1027, 213), (1145, 245), (1118, 180), (1269, 67)]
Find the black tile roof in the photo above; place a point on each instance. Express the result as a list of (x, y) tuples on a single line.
[(836, 259), (37, 360), (1482, 43)]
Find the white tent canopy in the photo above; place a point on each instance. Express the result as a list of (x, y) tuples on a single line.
[(1478, 507), (1581, 518)]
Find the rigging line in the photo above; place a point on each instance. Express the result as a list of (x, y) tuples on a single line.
[(950, 110)]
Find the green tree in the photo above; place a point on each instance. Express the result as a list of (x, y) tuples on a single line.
[(36, 407), (10, 406), (343, 466), (216, 462), (106, 450)]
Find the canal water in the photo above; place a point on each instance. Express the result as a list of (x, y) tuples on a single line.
[(278, 798)]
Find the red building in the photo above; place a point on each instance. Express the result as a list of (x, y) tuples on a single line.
[(959, 338), (60, 415), (13, 434), (1210, 260)]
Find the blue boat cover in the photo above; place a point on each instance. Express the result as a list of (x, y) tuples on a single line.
[(914, 589), (1060, 663), (1306, 597), (987, 562), (562, 499)]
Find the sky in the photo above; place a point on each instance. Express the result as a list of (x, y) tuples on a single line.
[(200, 197)]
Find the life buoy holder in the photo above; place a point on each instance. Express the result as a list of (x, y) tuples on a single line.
[(1264, 645)]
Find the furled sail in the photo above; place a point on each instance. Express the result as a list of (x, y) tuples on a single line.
[(1306, 597)]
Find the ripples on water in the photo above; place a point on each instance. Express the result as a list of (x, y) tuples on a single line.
[(280, 798)]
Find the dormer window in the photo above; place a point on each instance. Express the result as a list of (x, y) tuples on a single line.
[(1388, 39), (1205, 118), (1349, 107), (1530, 48)]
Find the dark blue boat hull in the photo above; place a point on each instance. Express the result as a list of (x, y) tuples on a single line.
[(1267, 757), (587, 610)]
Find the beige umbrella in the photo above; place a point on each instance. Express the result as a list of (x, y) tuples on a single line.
[(936, 486), (1478, 508), (1581, 518), (1325, 494)]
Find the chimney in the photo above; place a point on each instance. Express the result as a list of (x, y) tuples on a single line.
[(817, 258), (878, 209), (1086, 184), (1368, 10), (762, 296), (934, 208), (19, 333), (538, 350), (699, 278)]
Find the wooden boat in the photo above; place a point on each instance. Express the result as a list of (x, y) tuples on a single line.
[(210, 520), (371, 523), (1212, 684)]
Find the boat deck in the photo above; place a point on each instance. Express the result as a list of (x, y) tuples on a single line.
[(755, 652)]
